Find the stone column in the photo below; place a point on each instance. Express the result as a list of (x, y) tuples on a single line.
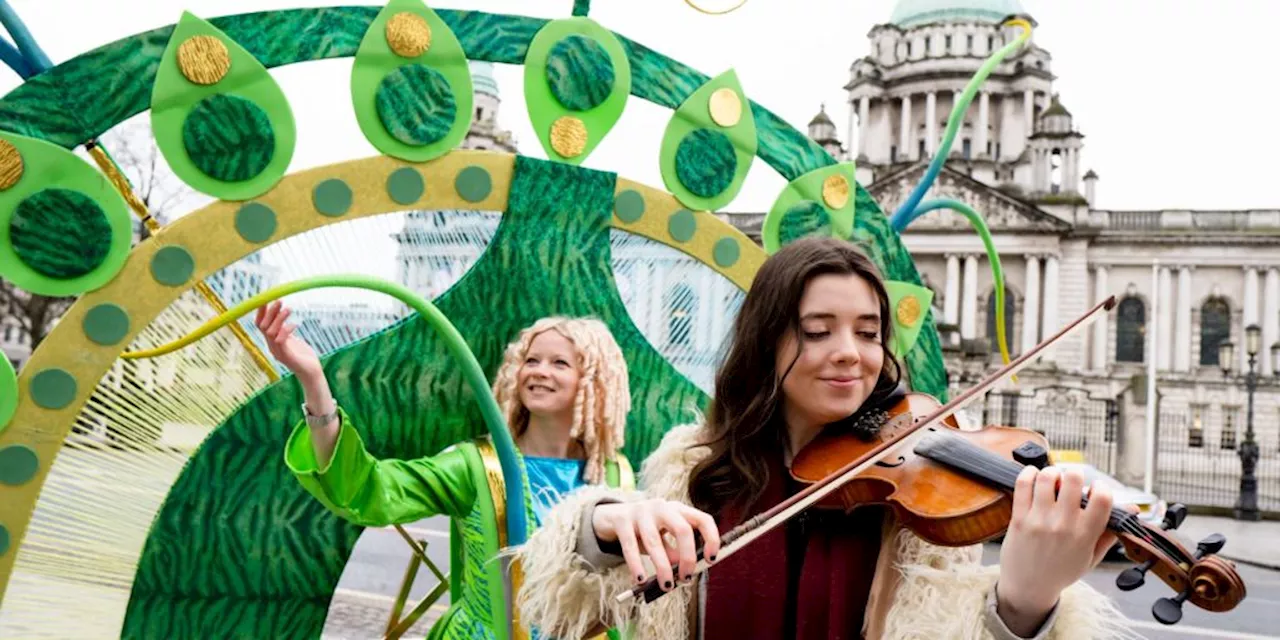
[(951, 304), (984, 109), (969, 301), (1164, 332), (864, 124), (1051, 323), (1182, 323), (905, 146), (1250, 314), (930, 125), (856, 127), (1031, 305), (1100, 293), (1028, 111), (1270, 317)]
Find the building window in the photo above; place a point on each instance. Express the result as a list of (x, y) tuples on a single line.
[(968, 43), (920, 150), (1215, 329), (966, 149), (997, 151), (479, 113), (991, 319), (947, 42), (893, 153), (1195, 436), (991, 44), (988, 149), (1131, 330), (1228, 428), (909, 47), (928, 45)]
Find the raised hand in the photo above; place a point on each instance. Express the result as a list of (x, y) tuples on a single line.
[(287, 348), (642, 525), (1052, 542)]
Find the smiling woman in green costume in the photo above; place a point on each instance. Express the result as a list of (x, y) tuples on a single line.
[(564, 392)]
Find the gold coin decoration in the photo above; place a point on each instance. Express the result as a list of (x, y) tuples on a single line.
[(408, 34), (10, 165), (835, 191), (568, 136), (726, 107), (908, 310), (203, 59)]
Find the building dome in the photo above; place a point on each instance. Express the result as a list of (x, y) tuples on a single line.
[(482, 78), (912, 13)]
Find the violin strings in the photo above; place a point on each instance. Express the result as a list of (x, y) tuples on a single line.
[(958, 452)]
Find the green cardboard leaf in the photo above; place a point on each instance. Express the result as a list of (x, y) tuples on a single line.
[(908, 306), (213, 135), (696, 167), (801, 196), (48, 167), (575, 68), (417, 108)]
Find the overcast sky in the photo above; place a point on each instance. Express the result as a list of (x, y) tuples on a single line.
[(1175, 97)]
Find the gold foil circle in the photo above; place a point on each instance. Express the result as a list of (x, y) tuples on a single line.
[(725, 106), (408, 34), (568, 136), (203, 59), (10, 165), (908, 310), (835, 191)]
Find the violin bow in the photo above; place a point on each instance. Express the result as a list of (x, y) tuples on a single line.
[(744, 534)]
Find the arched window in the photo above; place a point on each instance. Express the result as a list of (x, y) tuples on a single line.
[(683, 303), (1008, 320), (1215, 328), (1131, 330)]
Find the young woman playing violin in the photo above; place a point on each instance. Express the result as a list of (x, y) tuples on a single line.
[(808, 353)]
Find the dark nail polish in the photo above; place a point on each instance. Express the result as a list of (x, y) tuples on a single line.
[(667, 585), (688, 577), (711, 559), (640, 578)]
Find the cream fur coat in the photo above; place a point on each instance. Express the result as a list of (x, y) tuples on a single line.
[(920, 590)]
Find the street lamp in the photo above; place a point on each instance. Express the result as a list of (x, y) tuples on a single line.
[(1247, 504)]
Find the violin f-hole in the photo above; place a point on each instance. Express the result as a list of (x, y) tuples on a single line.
[(889, 465)]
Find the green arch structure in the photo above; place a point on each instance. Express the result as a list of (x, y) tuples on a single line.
[(267, 559)]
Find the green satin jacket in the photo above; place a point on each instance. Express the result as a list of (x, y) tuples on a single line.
[(464, 482)]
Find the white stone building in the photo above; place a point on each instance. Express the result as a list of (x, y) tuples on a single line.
[(1016, 160)]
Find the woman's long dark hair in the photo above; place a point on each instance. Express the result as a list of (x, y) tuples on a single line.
[(745, 421)]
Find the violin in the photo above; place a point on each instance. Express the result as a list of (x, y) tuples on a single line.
[(954, 487)]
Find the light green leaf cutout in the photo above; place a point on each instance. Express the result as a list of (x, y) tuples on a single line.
[(49, 169), (705, 162), (908, 306), (584, 65), (414, 108), (241, 125), (808, 190)]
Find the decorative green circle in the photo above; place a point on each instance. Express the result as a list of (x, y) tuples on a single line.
[(473, 184), (8, 392), (60, 233), (705, 162), (580, 72), (228, 138), (18, 464), (332, 197), (629, 205), (726, 252), (255, 222), (405, 185), (106, 324), (4, 540), (172, 265), (682, 225), (53, 389), (804, 218), (415, 104)]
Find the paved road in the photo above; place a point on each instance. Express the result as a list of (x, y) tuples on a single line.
[(373, 577)]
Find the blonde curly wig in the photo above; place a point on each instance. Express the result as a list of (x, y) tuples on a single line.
[(603, 398)]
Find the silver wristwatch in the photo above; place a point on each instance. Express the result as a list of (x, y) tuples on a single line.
[(314, 421)]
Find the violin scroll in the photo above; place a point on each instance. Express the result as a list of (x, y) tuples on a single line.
[(1201, 578)]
